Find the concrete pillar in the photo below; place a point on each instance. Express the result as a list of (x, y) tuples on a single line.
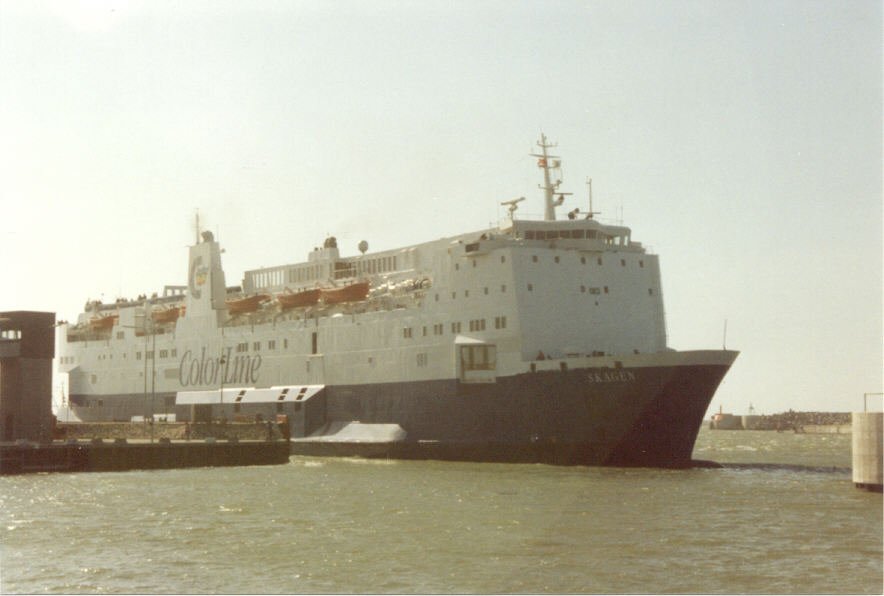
[(868, 443)]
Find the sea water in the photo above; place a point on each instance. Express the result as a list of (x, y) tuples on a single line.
[(782, 516)]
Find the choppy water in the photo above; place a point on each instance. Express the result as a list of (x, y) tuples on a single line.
[(791, 522)]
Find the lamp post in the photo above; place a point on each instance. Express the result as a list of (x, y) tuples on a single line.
[(153, 376), (153, 363), (222, 369)]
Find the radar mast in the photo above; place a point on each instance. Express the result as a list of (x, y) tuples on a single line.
[(546, 163)]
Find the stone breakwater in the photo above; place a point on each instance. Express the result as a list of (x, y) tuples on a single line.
[(807, 421), (176, 431), (800, 422)]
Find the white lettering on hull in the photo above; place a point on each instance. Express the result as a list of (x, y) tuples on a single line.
[(619, 376)]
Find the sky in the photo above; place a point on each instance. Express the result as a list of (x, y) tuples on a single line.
[(740, 141)]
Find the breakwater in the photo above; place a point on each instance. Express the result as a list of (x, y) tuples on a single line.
[(811, 422)]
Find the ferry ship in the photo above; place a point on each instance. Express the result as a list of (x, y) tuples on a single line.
[(539, 340)]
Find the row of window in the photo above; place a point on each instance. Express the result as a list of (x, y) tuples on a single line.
[(304, 273), (557, 259), (593, 290), (598, 260), (439, 328), (457, 265), (466, 293), (500, 322), (173, 353)]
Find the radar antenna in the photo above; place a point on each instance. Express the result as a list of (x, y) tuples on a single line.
[(513, 205)]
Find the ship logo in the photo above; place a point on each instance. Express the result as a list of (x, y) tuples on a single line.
[(198, 275)]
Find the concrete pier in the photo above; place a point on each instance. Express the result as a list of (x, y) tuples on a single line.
[(104, 456), (868, 440)]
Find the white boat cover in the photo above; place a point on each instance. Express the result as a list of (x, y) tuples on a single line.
[(249, 395)]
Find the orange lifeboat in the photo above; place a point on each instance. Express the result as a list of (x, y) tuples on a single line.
[(352, 293), (103, 323), (238, 306), (289, 299), (166, 315)]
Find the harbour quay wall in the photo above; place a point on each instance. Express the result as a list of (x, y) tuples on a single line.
[(176, 431), (99, 456)]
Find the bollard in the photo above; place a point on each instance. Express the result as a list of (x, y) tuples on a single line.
[(868, 441)]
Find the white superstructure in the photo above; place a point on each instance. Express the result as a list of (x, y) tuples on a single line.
[(526, 295)]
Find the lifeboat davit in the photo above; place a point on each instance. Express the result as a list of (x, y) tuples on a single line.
[(166, 315), (289, 299), (103, 322), (352, 293), (238, 306)]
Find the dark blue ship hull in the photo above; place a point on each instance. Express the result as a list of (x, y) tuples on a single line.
[(638, 416)]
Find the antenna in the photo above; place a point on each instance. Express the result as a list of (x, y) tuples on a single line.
[(724, 338), (591, 212)]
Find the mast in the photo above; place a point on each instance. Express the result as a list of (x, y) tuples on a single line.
[(546, 163), (591, 213)]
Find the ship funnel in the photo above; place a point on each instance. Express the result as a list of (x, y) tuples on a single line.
[(206, 285)]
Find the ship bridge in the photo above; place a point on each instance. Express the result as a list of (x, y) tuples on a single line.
[(605, 236)]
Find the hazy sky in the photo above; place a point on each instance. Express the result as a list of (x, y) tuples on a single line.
[(740, 140)]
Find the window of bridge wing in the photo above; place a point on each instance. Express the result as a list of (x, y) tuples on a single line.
[(478, 357), (344, 269)]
